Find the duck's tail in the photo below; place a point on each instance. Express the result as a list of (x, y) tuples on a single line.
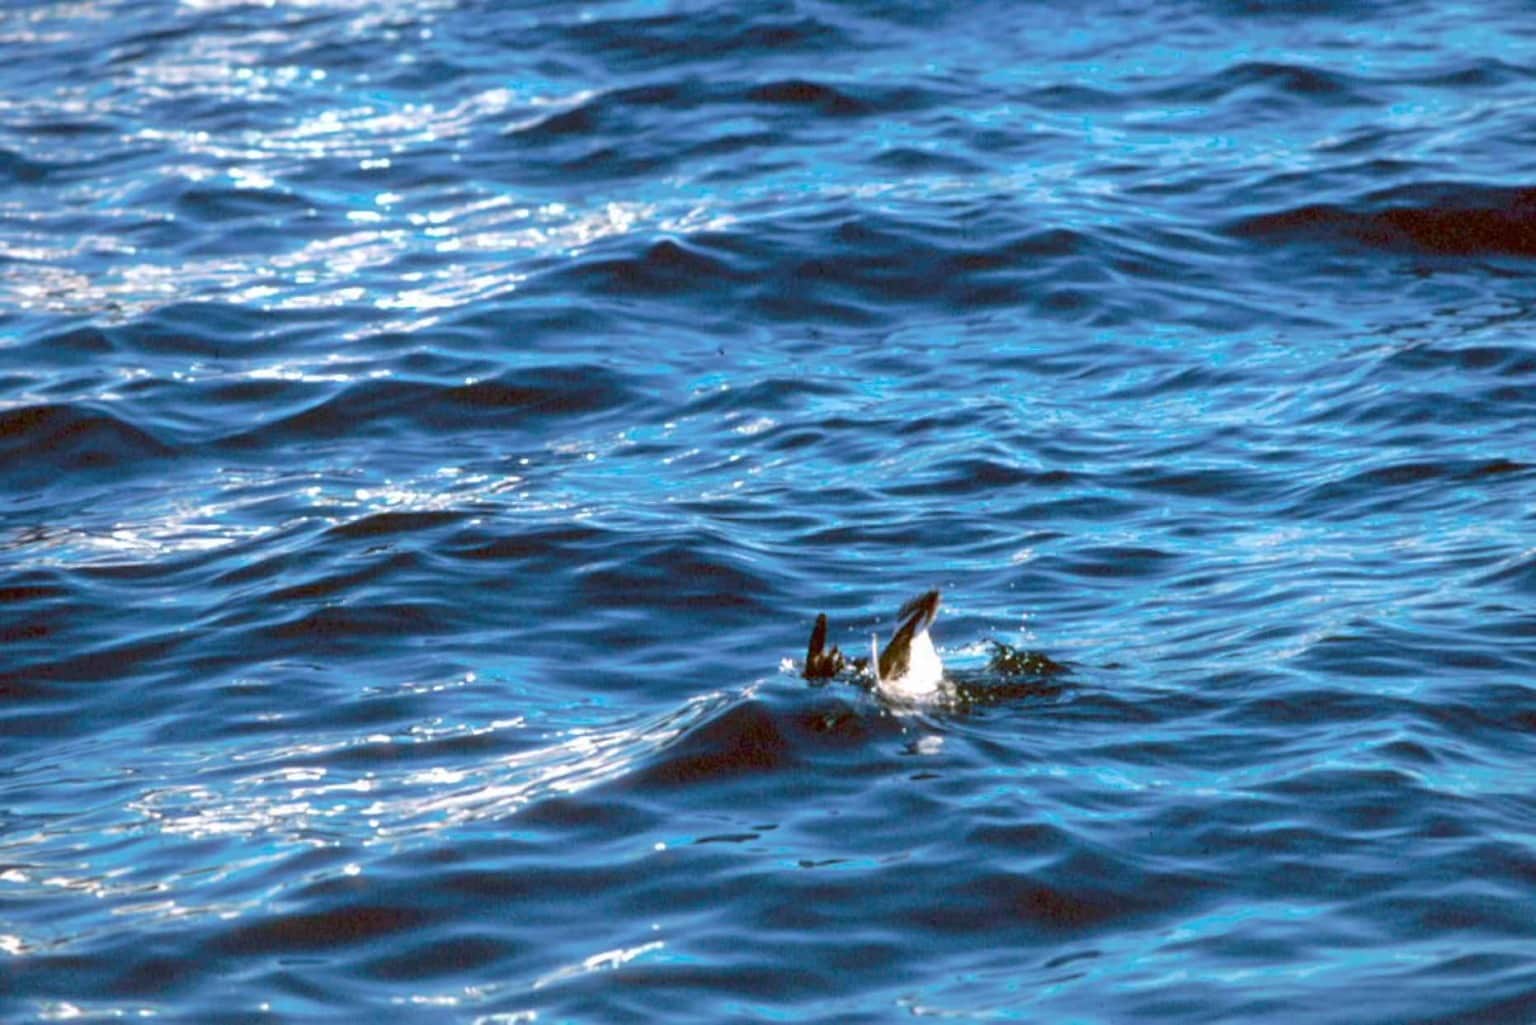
[(820, 663)]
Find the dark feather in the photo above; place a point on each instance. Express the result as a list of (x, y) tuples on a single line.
[(916, 616), (819, 663), (927, 603)]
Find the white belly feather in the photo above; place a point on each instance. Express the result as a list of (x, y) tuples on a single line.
[(923, 675)]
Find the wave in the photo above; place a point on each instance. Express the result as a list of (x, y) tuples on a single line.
[(40, 444), (626, 108), (1444, 219), (839, 266), (668, 40), (648, 129), (517, 398)]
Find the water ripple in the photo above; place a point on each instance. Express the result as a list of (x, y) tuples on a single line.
[(428, 436)]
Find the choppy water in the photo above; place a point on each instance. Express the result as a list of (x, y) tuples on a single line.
[(426, 429)]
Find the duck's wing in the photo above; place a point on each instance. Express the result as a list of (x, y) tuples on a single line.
[(926, 603), (915, 616)]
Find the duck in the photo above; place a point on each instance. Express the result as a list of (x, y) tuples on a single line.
[(908, 670)]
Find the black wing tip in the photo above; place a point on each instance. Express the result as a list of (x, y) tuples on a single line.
[(821, 664), (915, 616), (818, 637), (927, 603)]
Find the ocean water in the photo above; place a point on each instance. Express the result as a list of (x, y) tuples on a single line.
[(428, 432)]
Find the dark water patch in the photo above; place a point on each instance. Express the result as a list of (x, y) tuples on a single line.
[(56, 971), (84, 341), (1481, 1010), (607, 111), (1119, 561), (1279, 186), (752, 143), (1409, 751), (39, 443), (1077, 508), (1042, 840), (673, 39), (312, 579), (33, 616), (675, 989), (1310, 83), (206, 204), (813, 96), (770, 395), (1399, 485), (532, 886), (444, 953), (854, 542), (1176, 380), (1234, 484), (331, 630), (433, 73), (57, 125), (1416, 409), (544, 547), (758, 738), (206, 331), (143, 41), (520, 398), (1310, 86), (666, 268), (1302, 706), (967, 476), (535, 322), (1446, 219), (1359, 655), (1073, 96), (265, 396), (1502, 360), (1485, 72), (907, 160), (390, 524), (18, 169), (581, 139), (682, 575), (1517, 574), (890, 261), (266, 565), (97, 664), (331, 930), (1350, 802), (1460, 471), (846, 268), (17, 592), (625, 108), (1290, 13), (1467, 912), (1082, 895), (600, 818)]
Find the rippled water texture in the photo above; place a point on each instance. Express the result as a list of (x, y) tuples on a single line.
[(428, 432)]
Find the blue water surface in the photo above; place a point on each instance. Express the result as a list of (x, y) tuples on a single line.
[(429, 430)]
